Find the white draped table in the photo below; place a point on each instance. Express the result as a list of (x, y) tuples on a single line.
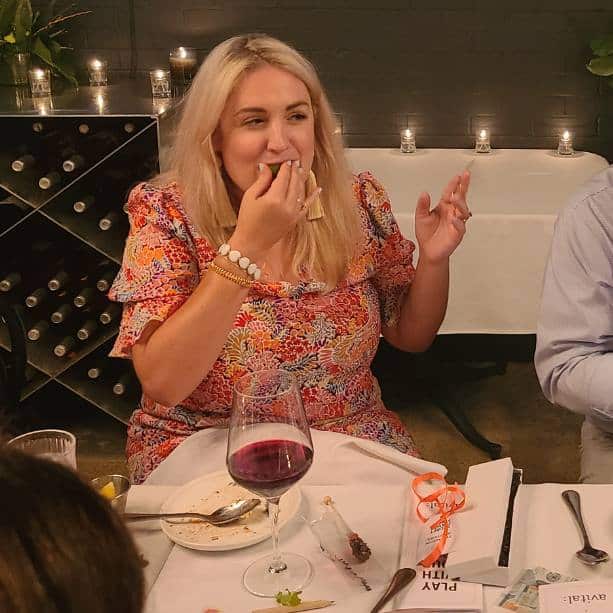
[(373, 496), (515, 196)]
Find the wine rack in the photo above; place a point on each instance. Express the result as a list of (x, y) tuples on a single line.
[(64, 179)]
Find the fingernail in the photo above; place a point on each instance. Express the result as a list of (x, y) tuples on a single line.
[(297, 164), (260, 166), (289, 163)]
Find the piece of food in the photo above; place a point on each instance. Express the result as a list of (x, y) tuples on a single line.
[(287, 598), (274, 168), (108, 491)]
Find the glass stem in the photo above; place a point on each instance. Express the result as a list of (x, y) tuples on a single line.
[(277, 565)]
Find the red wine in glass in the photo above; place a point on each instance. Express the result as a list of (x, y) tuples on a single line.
[(269, 450), (270, 468)]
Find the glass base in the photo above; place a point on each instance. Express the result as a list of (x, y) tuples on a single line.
[(261, 580)]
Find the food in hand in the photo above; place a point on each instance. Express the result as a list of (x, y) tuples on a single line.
[(274, 168), (108, 491)]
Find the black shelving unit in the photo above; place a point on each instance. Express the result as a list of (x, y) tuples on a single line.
[(66, 166)]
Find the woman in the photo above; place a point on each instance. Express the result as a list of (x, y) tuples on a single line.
[(319, 272), (63, 548)]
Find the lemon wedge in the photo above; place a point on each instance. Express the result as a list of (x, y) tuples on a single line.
[(108, 491)]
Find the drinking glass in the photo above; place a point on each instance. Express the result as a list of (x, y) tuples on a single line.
[(56, 445), (270, 449)]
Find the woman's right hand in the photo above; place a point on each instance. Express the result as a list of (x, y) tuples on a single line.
[(270, 209)]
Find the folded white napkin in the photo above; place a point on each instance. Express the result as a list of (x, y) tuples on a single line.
[(151, 542), (389, 454)]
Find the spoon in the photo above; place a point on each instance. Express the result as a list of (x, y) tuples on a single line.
[(402, 577), (223, 515), (588, 555)]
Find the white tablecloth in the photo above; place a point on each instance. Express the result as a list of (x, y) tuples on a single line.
[(515, 196), (373, 496)]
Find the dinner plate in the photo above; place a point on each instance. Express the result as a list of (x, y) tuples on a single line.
[(209, 492)]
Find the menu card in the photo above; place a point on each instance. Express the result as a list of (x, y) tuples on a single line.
[(576, 597), (432, 590)]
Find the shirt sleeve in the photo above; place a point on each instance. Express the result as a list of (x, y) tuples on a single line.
[(394, 270), (159, 269), (574, 359)]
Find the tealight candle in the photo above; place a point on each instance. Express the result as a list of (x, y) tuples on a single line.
[(482, 142), (182, 62), (565, 144), (407, 141), (338, 124), (40, 82), (160, 83), (97, 72)]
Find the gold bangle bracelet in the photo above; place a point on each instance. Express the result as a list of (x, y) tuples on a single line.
[(230, 276)]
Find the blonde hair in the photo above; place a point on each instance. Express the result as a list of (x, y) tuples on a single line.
[(322, 248)]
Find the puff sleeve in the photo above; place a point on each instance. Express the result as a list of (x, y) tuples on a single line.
[(393, 253), (160, 267)]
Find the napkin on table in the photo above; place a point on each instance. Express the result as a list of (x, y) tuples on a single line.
[(150, 541)]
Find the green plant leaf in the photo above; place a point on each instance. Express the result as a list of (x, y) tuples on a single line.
[(23, 21), (602, 66), (602, 46), (7, 15), (55, 62)]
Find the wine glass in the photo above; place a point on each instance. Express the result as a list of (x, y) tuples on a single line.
[(270, 449)]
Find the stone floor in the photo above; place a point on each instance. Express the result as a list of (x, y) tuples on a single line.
[(508, 409)]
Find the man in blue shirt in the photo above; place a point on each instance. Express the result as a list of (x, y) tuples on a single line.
[(574, 350)]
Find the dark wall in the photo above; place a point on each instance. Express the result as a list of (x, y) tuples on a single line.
[(441, 66)]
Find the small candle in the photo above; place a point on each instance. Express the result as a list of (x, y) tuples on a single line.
[(20, 62), (160, 83), (565, 144), (182, 62), (40, 82), (482, 142), (97, 72), (407, 141), (338, 124), (43, 105)]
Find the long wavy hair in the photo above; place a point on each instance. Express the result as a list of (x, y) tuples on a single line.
[(321, 248)]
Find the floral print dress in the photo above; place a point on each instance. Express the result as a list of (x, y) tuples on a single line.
[(327, 340)]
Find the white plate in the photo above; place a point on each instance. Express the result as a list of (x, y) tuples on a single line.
[(208, 493)]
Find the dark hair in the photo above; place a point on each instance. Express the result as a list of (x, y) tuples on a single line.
[(62, 548)]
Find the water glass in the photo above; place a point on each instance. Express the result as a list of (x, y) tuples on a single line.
[(56, 445)]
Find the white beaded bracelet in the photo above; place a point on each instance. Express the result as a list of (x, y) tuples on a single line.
[(240, 260)]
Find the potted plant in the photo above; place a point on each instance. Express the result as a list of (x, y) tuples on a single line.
[(26, 35), (602, 63)]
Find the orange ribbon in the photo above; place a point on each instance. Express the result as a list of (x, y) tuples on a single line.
[(449, 499)]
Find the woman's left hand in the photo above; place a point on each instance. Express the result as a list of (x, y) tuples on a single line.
[(440, 230)]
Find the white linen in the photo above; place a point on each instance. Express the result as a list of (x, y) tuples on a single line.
[(151, 542), (372, 495), (515, 196)]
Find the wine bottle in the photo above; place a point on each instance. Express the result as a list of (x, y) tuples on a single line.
[(38, 329), (12, 280), (103, 284), (74, 162), (82, 205), (64, 346), (110, 314), (62, 313), (123, 384), (37, 297), (87, 330), (22, 162), (49, 180), (83, 128), (37, 127), (129, 127), (85, 297), (107, 222), (96, 370)]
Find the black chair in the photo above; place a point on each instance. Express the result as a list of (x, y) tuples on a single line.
[(13, 362)]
